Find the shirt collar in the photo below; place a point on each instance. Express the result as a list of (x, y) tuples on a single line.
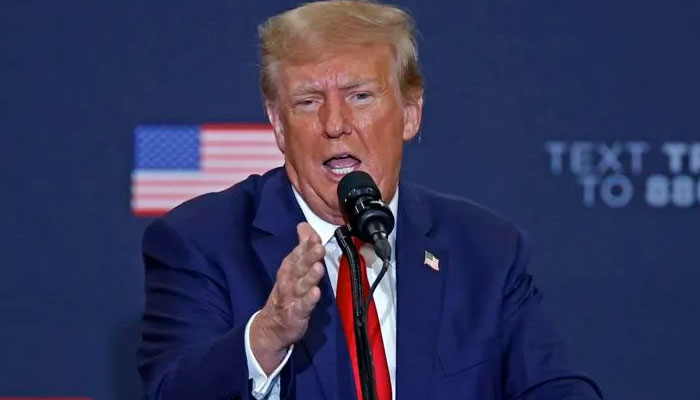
[(325, 229)]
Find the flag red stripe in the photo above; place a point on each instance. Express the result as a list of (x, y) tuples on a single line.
[(165, 196), (148, 212), (183, 183), (249, 170), (45, 398)]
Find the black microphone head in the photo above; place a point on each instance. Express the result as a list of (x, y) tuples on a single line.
[(361, 202), (354, 185)]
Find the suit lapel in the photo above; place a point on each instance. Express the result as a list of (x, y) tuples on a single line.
[(275, 221), (275, 236), (419, 298)]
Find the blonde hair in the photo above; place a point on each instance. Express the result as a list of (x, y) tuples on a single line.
[(303, 33)]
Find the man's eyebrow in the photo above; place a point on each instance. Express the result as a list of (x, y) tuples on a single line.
[(311, 88), (305, 89), (356, 84)]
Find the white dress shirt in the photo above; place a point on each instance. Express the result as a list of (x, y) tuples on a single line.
[(268, 387)]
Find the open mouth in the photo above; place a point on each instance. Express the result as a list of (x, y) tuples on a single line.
[(342, 164)]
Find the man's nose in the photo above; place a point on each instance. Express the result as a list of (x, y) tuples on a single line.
[(335, 117)]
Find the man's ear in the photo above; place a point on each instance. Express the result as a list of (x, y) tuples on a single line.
[(412, 114), (273, 115)]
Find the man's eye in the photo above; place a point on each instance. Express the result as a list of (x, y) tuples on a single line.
[(305, 102), (361, 96)]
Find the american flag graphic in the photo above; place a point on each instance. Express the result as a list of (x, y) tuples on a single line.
[(431, 261), (174, 163)]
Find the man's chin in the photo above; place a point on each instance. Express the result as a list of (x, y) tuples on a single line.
[(322, 199)]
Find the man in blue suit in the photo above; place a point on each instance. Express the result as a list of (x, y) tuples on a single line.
[(241, 285)]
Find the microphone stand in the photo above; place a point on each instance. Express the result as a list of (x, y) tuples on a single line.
[(362, 344)]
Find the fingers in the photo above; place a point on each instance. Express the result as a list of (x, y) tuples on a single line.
[(308, 251), (308, 270), (307, 303), (296, 292), (309, 280), (313, 254), (307, 238), (301, 264), (307, 290)]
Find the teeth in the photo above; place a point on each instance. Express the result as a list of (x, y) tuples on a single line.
[(342, 171)]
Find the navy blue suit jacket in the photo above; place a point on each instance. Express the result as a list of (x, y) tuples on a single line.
[(473, 330)]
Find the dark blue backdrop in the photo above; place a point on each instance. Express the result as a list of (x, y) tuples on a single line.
[(504, 78)]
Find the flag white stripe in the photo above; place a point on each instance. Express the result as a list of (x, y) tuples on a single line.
[(206, 163), (262, 136)]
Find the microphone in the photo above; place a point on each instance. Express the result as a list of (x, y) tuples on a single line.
[(369, 217), (372, 221)]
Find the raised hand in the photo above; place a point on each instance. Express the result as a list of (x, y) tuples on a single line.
[(285, 317)]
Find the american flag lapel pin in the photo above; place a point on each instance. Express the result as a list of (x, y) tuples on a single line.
[(431, 261)]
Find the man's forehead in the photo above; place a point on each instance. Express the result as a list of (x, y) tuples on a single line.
[(341, 81), (344, 72)]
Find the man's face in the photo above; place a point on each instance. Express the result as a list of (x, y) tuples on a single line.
[(342, 113)]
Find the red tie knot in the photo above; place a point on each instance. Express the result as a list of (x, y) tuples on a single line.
[(357, 242)]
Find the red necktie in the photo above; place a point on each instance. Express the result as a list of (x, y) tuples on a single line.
[(343, 298)]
